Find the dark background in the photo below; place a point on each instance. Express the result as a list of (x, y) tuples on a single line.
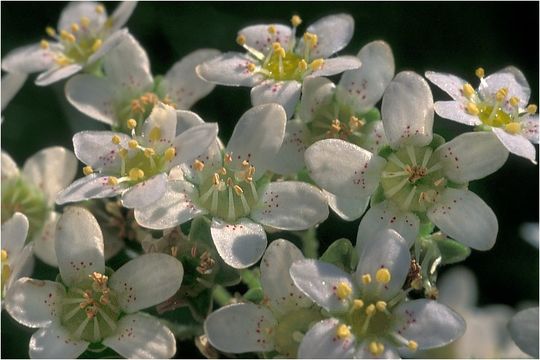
[(454, 37)]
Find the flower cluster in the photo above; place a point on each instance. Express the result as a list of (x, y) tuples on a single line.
[(217, 237)]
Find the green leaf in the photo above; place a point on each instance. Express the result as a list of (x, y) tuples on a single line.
[(452, 251), (255, 295), (342, 254)]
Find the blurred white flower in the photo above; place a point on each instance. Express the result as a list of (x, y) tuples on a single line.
[(523, 328)]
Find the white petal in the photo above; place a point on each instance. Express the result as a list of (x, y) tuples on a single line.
[(162, 117), (284, 93), (95, 148), (529, 128), (11, 84), (364, 87), (51, 170), (127, 66), (78, 245), (346, 207), (458, 288), (319, 280), (462, 215), (387, 250), (9, 167), (23, 265), (229, 69), (88, 187), (146, 192), (517, 144), (28, 59), (193, 142), (175, 207), (337, 65), (317, 92), (122, 13), (14, 232), (407, 111), (321, 342), (276, 282), (44, 241), (74, 11), (257, 137), (428, 323), (524, 330), (146, 280), (374, 136), (186, 120), (343, 168), (241, 328), (471, 156), (258, 37), (455, 110), (390, 352), (385, 215), (241, 244), (290, 158), (93, 96), (35, 303), (291, 205), (449, 83), (56, 74), (512, 79), (55, 342), (184, 87), (141, 336), (110, 43), (333, 33)]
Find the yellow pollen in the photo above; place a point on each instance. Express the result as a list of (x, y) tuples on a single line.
[(412, 345), (501, 94), (133, 144), (366, 279), (370, 310), (296, 20), (74, 27), (513, 128), (336, 126), (170, 153), (468, 90), (96, 45), (311, 38), (281, 52), (245, 164), (238, 190), (272, 29), (302, 65), (112, 181), (44, 44), (50, 31), (358, 304), (67, 36), (355, 123), (131, 124), (251, 67), (155, 134), (123, 153), (531, 109), (343, 290), (4, 255), (87, 170), (116, 139), (85, 22), (198, 165), (149, 152), (381, 305), (472, 109), (514, 101), (376, 348), (136, 174), (276, 46), (222, 171), (62, 60), (100, 9), (227, 158), (215, 179), (317, 64), (383, 276), (479, 72), (241, 40), (343, 331)]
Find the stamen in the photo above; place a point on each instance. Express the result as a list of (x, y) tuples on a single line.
[(123, 154), (74, 27), (85, 22), (427, 156), (215, 179), (77, 334), (396, 188), (107, 319), (317, 64), (50, 31), (100, 9), (479, 72), (412, 155), (198, 165), (231, 212), (343, 290), (70, 314), (116, 139), (44, 44), (296, 20), (412, 345), (392, 174), (241, 40), (358, 304), (513, 128), (468, 90), (272, 29), (87, 170), (149, 152), (97, 332), (409, 198), (133, 144), (113, 181), (302, 65), (531, 109), (238, 190), (227, 158), (376, 348), (4, 255), (501, 94), (67, 36), (366, 279), (245, 205), (155, 134), (343, 331), (251, 67), (215, 199), (381, 305), (393, 158), (514, 101), (383, 276), (136, 174), (170, 153)]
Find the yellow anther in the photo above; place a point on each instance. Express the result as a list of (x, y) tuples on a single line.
[(383, 276), (50, 31), (358, 304), (366, 279), (87, 170), (472, 109), (336, 126), (96, 45), (381, 305), (227, 158), (198, 165), (4, 255), (123, 153), (215, 179), (376, 348), (370, 310), (136, 174), (317, 64), (85, 22), (133, 144), (276, 46), (149, 152), (222, 171), (514, 101), (67, 36), (281, 52), (416, 284), (245, 164), (313, 40), (343, 331), (480, 72), (100, 9), (155, 134), (74, 27), (302, 65), (238, 190), (272, 29), (44, 44), (501, 94), (131, 124), (343, 290), (170, 153), (116, 139), (112, 181), (296, 20), (531, 109), (412, 345), (241, 40), (62, 60), (251, 67), (513, 128), (468, 90)]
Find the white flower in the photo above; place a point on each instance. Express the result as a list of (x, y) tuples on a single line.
[(11, 84), (499, 103), (17, 259), (369, 315), (278, 323), (277, 62), (91, 304), (33, 193), (524, 330), (232, 190), (84, 34), (419, 177), (529, 232), (129, 91), (135, 166)]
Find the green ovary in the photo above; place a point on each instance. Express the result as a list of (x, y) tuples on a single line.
[(149, 165), (297, 321), (289, 67), (494, 116)]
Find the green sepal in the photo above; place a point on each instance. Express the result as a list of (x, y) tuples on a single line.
[(303, 175), (200, 305), (452, 251), (342, 254), (372, 115), (426, 228), (378, 196), (437, 141), (385, 151), (255, 295)]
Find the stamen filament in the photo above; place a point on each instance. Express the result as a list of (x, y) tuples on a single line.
[(107, 319), (393, 158), (412, 155), (393, 191)]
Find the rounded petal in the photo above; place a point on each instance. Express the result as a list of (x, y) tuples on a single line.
[(175, 207), (93, 96), (14, 232), (455, 110), (57, 73), (122, 13), (9, 167), (241, 244), (321, 342), (35, 303), (259, 38), (524, 330), (146, 280), (22, 266), (184, 87), (88, 187), (291, 205), (284, 93), (44, 241), (95, 148), (428, 322), (146, 192), (517, 144), (230, 69), (11, 84), (110, 43), (333, 33), (343, 168), (28, 59), (239, 328), (54, 342), (162, 117), (51, 170), (462, 215), (257, 137), (186, 120), (290, 158), (364, 87), (407, 111), (449, 83), (337, 65), (319, 280), (512, 79), (78, 245), (73, 12), (374, 136), (317, 92), (193, 142), (458, 288), (390, 352), (346, 207), (471, 156), (529, 128)]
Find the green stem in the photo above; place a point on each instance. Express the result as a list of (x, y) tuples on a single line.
[(221, 295), (310, 244), (251, 278)]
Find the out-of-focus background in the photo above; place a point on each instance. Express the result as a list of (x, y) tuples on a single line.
[(452, 37)]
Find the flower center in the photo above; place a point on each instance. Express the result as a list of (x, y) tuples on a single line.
[(90, 309), (291, 328), (6, 269), (139, 108)]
